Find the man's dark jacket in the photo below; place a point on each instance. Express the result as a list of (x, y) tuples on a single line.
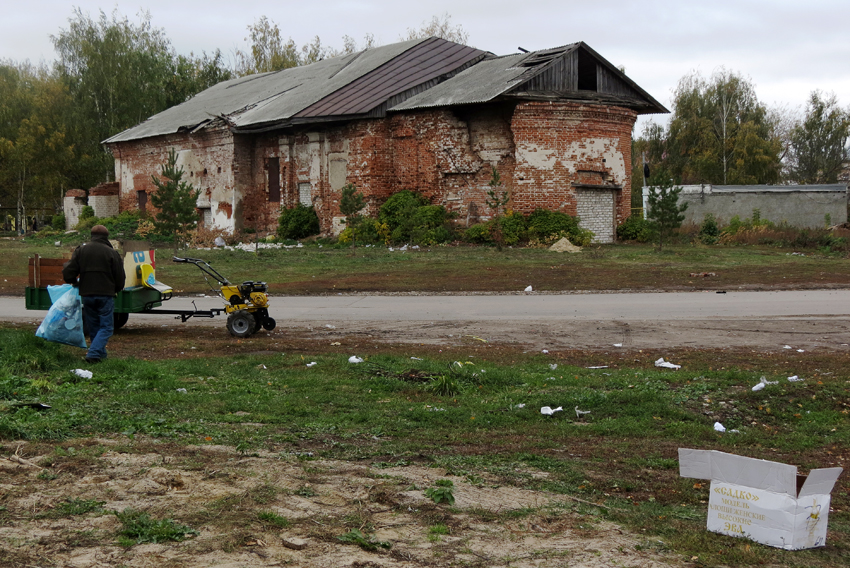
[(99, 267)]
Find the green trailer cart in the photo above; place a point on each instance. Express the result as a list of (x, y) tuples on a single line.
[(135, 298)]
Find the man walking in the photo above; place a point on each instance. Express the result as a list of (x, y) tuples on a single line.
[(101, 276)]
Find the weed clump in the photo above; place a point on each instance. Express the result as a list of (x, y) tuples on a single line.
[(138, 527)]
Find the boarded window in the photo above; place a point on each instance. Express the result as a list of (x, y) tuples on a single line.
[(304, 194), (274, 180), (206, 217), (143, 200)]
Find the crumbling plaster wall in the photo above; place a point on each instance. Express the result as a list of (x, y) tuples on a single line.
[(540, 149), (207, 158), (561, 145)]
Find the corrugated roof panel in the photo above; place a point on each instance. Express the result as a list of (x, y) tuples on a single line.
[(431, 58), (258, 99), (482, 82)]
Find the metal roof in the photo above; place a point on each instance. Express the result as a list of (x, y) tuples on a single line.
[(480, 83), (515, 74), (420, 73), (343, 85), (431, 58)]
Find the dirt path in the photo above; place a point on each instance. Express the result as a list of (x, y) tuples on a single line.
[(234, 499)]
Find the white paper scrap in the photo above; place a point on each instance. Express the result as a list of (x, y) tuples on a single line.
[(311, 364), (720, 427), (82, 373), (618, 345), (528, 289), (355, 359), (795, 379), (580, 413), (666, 364), (548, 411)]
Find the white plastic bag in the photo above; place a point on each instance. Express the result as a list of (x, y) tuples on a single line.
[(64, 321)]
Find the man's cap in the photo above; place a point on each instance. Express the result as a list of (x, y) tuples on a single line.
[(100, 230)]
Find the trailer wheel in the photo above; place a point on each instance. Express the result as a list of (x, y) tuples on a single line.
[(241, 323), (118, 320), (269, 324)]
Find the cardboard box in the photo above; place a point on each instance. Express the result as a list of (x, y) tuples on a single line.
[(762, 500)]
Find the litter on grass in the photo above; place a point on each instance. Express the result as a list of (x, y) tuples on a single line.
[(476, 338), (618, 345), (520, 405), (580, 413), (795, 379), (528, 289), (763, 382), (355, 359), (718, 427), (311, 364), (549, 411), (553, 366), (599, 367), (82, 373), (666, 364)]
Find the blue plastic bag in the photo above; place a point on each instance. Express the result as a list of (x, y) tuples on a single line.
[(64, 321)]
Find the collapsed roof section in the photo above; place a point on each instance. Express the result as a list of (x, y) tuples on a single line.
[(421, 73)]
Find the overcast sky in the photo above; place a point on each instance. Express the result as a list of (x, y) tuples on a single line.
[(786, 47)]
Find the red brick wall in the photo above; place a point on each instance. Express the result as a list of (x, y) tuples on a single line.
[(560, 144), (210, 169), (540, 150)]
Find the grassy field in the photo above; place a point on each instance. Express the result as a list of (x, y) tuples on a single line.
[(471, 414), (322, 270)]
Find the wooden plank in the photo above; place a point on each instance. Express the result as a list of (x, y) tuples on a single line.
[(45, 271)]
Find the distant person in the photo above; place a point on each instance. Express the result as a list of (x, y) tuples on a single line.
[(101, 276)]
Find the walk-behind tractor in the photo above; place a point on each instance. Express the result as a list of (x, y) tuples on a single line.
[(247, 303)]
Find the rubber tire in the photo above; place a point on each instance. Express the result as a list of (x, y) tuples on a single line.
[(241, 323), (118, 320), (269, 324)]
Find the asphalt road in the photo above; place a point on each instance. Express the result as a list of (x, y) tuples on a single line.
[(802, 319), (528, 307)]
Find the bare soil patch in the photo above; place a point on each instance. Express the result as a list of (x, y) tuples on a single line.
[(220, 492)]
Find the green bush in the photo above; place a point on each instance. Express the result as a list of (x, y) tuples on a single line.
[(87, 219), (429, 225), (635, 229), (58, 222), (709, 232), (478, 234), (546, 226), (514, 228), (124, 224), (298, 222), (400, 207), (401, 214), (367, 231)]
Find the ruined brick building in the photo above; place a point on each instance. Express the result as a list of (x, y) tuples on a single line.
[(427, 115)]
